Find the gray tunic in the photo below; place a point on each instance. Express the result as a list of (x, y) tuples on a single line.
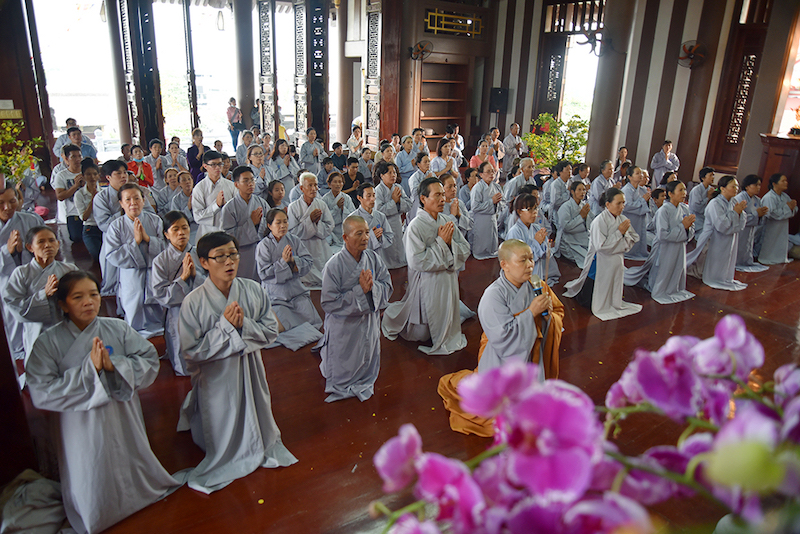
[(572, 241), (377, 219), (775, 243), (237, 221), (180, 202), (169, 290), (307, 158), (108, 470), (133, 263), (394, 256), (541, 252), (636, 209), (351, 346), (485, 213), (698, 201), (744, 251), (338, 214), (24, 296), (719, 241), (664, 272), (314, 235), (290, 299), (599, 186), (608, 246), (229, 409), (22, 221), (430, 307)]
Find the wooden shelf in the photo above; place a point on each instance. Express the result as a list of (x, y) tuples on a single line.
[(443, 81), (442, 100), (439, 118)]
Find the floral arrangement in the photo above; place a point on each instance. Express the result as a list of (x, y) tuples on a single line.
[(552, 140), (552, 468), (16, 156)]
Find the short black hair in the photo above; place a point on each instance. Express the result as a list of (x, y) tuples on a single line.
[(360, 189), (326, 160), (336, 145), (751, 179), (775, 178), (68, 281), (211, 155), (352, 160), (88, 163), (424, 188), (704, 172), (419, 156), (209, 242), (68, 149), (128, 186), (113, 165), (525, 201), (241, 169), (73, 129), (155, 142)]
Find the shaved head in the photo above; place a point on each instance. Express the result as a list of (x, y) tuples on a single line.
[(352, 221), (512, 247)]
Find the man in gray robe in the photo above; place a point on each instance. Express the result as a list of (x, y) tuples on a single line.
[(356, 286), (699, 197), (224, 324), (311, 220), (381, 235), (435, 250), (514, 148), (513, 185), (210, 195), (243, 218)]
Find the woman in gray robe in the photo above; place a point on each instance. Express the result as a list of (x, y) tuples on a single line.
[(755, 212), (664, 272), (283, 166), (134, 240), (636, 209), (775, 242), (282, 261), (610, 237), (224, 324), (700, 196), (714, 258), (572, 241), (30, 292), (176, 272), (486, 200), (88, 370), (340, 205), (535, 236), (381, 235), (392, 201)]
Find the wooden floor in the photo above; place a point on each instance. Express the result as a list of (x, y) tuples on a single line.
[(330, 487)]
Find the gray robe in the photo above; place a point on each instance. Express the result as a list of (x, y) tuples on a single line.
[(133, 263), (164, 198), (282, 173), (413, 187), (636, 209), (430, 307), (572, 241), (559, 194), (105, 208), (545, 266), (661, 164), (22, 221), (237, 222), (290, 299), (664, 272), (351, 346), (698, 201), (599, 186), (377, 219), (747, 237), (229, 409), (608, 246), (313, 235), (338, 214), (207, 213), (180, 202), (307, 158), (510, 334), (485, 214), (394, 256), (24, 296), (108, 470), (719, 242), (169, 290), (775, 243)]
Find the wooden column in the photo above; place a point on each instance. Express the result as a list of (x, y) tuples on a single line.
[(344, 108), (243, 20), (391, 29), (372, 95), (300, 84), (604, 122), (266, 24), (118, 72)]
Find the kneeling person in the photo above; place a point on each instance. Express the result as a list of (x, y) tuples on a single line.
[(356, 286), (224, 324), (514, 327)]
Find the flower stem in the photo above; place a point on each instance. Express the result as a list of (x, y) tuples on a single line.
[(488, 453), (394, 516)]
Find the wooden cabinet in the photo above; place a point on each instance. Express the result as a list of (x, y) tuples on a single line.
[(781, 153), (443, 100)]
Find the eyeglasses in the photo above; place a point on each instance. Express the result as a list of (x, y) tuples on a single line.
[(526, 210), (214, 164), (247, 181), (224, 257)]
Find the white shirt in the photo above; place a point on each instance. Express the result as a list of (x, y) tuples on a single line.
[(66, 208)]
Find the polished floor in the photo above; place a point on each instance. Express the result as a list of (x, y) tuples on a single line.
[(330, 487)]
